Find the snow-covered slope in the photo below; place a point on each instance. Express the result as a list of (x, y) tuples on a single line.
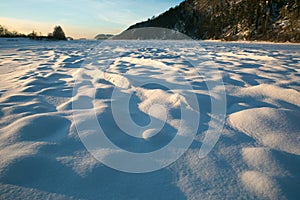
[(256, 157)]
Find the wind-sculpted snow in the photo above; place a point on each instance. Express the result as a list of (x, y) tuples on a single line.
[(42, 155)]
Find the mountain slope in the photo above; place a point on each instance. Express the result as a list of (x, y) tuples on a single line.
[(273, 20)]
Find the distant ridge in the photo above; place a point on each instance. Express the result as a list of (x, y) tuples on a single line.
[(103, 36), (151, 33), (273, 20)]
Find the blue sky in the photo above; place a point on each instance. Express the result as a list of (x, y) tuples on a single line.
[(79, 18)]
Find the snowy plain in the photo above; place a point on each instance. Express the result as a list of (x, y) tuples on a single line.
[(256, 157)]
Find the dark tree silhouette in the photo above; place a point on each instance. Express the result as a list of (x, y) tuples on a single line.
[(33, 35), (58, 33)]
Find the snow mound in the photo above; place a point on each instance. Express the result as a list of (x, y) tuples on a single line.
[(264, 160), (117, 80), (275, 128), (261, 184), (41, 127), (273, 92)]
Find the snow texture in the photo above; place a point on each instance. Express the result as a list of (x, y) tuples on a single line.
[(257, 156)]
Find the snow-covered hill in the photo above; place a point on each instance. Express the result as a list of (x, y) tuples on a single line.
[(271, 20)]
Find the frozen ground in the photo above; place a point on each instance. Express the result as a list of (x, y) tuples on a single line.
[(256, 157)]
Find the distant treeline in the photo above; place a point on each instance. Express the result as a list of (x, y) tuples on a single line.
[(103, 36), (57, 34)]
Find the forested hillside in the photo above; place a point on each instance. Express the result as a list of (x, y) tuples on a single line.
[(271, 20)]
